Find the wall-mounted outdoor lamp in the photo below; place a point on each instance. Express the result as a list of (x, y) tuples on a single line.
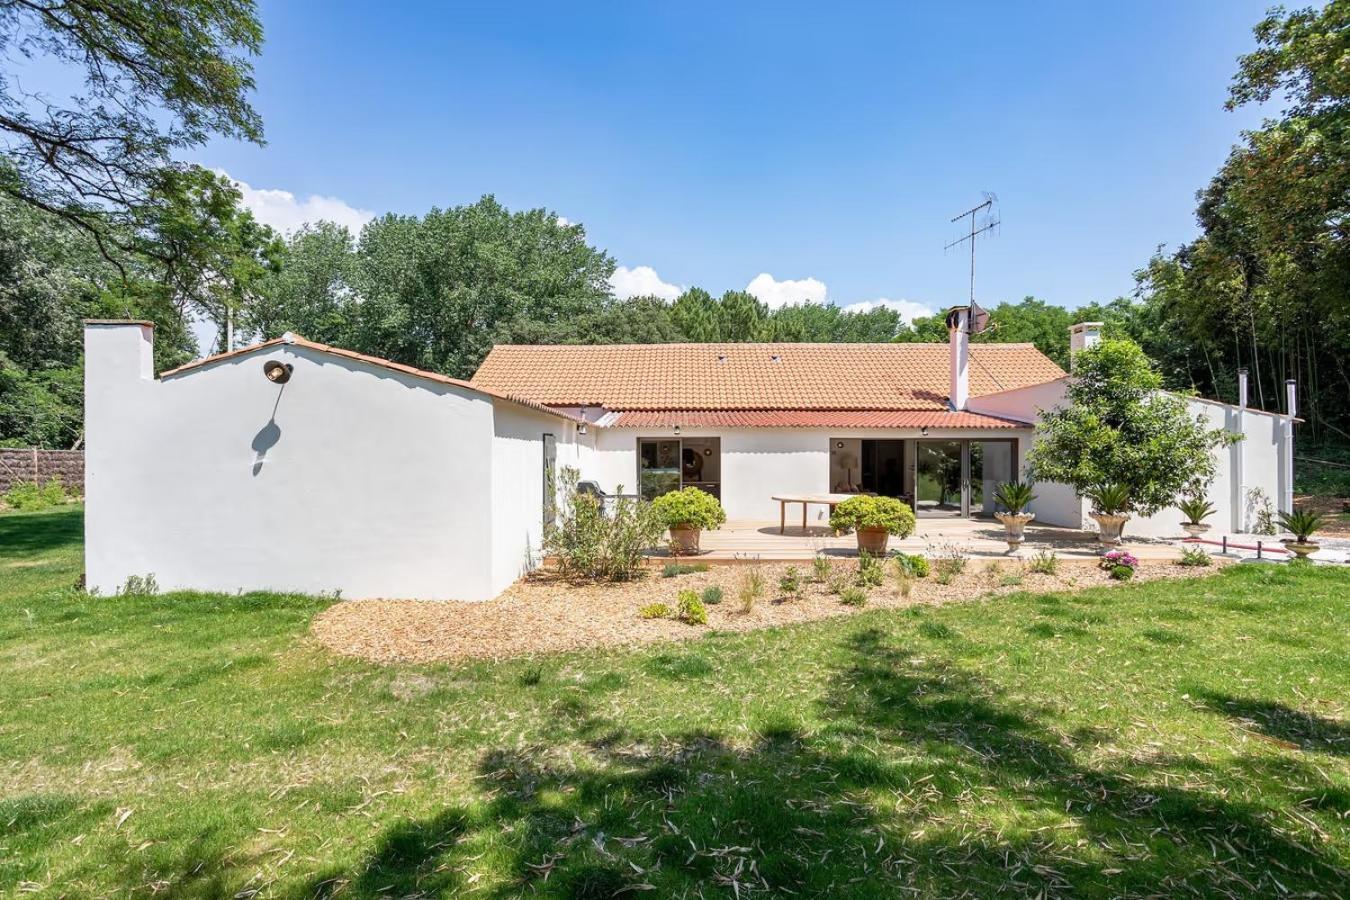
[(277, 372), (924, 431), (677, 429)]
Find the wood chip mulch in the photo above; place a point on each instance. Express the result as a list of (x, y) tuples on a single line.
[(542, 614)]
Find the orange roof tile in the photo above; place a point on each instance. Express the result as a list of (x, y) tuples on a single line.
[(804, 418), (754, 376), (297, 341)]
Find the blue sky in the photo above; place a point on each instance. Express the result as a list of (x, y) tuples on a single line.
[(717, 142)]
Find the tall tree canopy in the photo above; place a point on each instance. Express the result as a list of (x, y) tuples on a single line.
[(158, 76)]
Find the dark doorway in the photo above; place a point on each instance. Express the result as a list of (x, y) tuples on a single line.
[(883, 468)]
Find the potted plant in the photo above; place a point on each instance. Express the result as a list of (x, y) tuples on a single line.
[(1110, 510), (1301, 523), (874, 519), (687, 513), (1196, 510), (1014, 496)]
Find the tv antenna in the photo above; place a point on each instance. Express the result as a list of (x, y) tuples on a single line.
[(983, 220)]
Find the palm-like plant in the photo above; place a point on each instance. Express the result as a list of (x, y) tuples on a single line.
[(1302, 523), (1014, 496), (1196, 510), (1110, 499)]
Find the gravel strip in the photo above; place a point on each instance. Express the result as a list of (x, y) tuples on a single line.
[(541, 614)]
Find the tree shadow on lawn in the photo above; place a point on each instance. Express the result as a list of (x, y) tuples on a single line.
[(1283, 724), (923, 780), (29, 534)]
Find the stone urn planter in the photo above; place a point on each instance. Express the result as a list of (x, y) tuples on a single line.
[(1301, 549), (1014, 528), (1194, 529), (873, 541), (1110, 525)]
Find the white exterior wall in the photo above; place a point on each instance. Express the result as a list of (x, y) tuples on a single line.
[(518, 486), (351, 477)]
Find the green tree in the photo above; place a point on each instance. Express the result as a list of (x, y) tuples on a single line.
[(1117, 426), (312, 291), (158, 76), (695, 314)]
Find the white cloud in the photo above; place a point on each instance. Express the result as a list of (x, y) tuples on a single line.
[(909, 310), (285, 212), (564, 222), (776, 293), (641, 281)]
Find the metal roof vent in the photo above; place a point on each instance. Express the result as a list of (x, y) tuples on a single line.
[(775, 358)]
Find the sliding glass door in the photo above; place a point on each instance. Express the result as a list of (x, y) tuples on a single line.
[(658, 468), (959, 478)]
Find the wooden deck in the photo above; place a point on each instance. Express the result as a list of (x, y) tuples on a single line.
[(760, 541)]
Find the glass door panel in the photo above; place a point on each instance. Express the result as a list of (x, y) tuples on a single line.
[(991, 464), (937, 487), (659, 468)]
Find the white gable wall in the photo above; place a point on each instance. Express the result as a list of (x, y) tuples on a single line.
[(351, 477)]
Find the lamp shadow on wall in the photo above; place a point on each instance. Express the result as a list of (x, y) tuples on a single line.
[(267, 436)]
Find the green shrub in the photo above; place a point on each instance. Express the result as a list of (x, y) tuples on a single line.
[(950, 563), (1122, 573), (865, 511), (790, 584), (853, 596), (1302, 523), (712, 595), (670, 570), (589, 543), (1044, 563), (29, 496), (870, 573), (690, 610), (837, 583), (821, 568), (1010, 580), (914, 564), (1194, 556), (1014, 496), (1196, 510), (654, 611), (750, 588), (689, 508)]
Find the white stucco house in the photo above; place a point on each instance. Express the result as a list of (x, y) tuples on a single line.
[(291, 465)]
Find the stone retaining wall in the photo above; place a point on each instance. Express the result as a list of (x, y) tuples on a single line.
[(26, 464)]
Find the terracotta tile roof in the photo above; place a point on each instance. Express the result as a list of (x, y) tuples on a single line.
[(803, 418), (297, 341), (754, 376)]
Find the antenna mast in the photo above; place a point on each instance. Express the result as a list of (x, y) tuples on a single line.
[(978, 227)]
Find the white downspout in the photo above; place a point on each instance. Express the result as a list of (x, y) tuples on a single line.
[(1239, 457), (1287, 501)]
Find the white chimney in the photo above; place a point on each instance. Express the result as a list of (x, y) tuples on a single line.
[(1242, 389), (958, 336), (1082, 336)]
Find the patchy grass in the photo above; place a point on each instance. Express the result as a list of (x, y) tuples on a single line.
[(1167, 738)]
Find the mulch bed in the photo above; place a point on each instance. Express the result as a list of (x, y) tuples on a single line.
[(543, 614)]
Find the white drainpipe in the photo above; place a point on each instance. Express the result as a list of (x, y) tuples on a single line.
[(1287, 501), (958, 334), (1239, 456)]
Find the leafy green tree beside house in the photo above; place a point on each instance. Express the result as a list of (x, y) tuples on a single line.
[(1118, 427)]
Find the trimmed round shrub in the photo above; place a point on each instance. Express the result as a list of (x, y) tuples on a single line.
[(865, 512), (689, 508), (1122, 573)]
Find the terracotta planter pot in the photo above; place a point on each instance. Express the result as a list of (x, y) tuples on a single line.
[(1194, 529), (1014, 528), (684, 539), (1111, 526), (1301, 549), (873, 540)]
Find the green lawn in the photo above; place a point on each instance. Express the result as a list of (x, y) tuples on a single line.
[(1183, 738)]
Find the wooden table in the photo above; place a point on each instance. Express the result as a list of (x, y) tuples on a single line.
[(830, 500)]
